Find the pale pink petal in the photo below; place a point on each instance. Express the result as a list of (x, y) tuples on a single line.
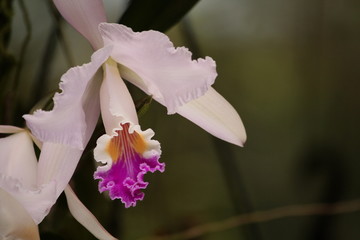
[(76, 108), (84, 16), (18, 159), (214, 114), (115, 99), (10, 129), (15, 222), (167, 73), (85, 217)]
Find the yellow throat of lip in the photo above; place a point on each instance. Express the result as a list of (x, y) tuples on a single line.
[(125, 145)]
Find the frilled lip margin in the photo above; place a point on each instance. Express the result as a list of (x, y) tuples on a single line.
[(128, 154)]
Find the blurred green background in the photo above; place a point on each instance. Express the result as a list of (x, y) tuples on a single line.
[(291, 70)]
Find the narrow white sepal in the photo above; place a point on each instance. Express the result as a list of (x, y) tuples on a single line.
[(15, 222), (10, 129), (84, 16), (85, 217), (215, 115), (115, 100)]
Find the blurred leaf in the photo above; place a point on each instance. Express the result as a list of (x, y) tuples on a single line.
[(45, 103), (6, 15), (156, 14), (143, 105), (50, 236)]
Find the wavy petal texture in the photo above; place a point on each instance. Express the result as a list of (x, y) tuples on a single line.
[(15, 222), (215, 115), (167, 73), (85, 217), (37, 201), (64, 132), (84, 16), (75, 112), (128, 154), (18, 175), (35, 186)]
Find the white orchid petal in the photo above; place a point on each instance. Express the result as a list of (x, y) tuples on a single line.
[(15, 222), (57, 164), (10, 129), (115, 99), (84, 16), (85, 217), (71, 122), (37, 201), (214, 114), (167, 73), (18, 159)]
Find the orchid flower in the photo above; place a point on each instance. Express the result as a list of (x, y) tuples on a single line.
[(149, 61), (23, 202)]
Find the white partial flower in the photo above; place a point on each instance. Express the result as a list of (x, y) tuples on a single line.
[(25, 196)]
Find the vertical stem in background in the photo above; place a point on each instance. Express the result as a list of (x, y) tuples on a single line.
[(10, 88), (325, 158), (115, 226), (13, 100), (60, 35), (25, 44), (40, 83), (327, 162), (235, 185), (226, 156), (7, 61), (55, 35)]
